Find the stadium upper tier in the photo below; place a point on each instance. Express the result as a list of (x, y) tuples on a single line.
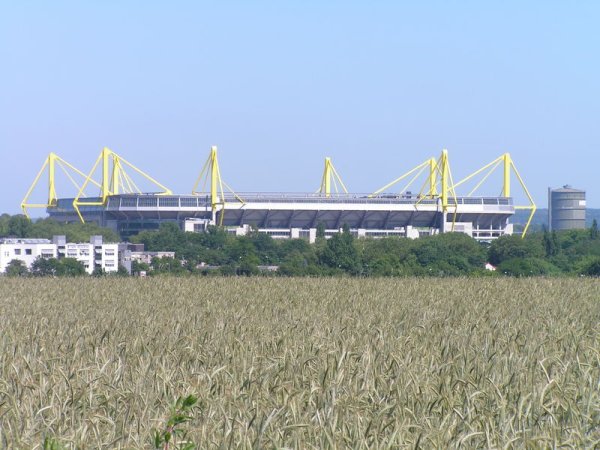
[(129, 213)]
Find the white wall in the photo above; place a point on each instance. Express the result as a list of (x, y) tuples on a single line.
[(26, 250), (109, 257)]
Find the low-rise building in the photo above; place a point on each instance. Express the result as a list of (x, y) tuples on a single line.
[(93, 255), (146, 257), (26, 250)]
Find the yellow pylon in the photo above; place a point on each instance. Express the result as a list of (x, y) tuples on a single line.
[(115, 180), (509, 168), (51, 163), (330, 176), (211, 173), (439, 172)]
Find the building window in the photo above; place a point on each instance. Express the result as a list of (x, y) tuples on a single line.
[(17, 251), (28, 251)]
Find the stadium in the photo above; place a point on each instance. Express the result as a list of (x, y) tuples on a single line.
[(437, 206)]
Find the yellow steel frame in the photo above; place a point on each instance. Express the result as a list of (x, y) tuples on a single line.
[(439, 173), (508, 167), (211, 173), (114, 180), (330, 176), (417, 171), (51, 162)]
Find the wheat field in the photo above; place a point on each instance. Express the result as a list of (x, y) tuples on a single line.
[(301, 363)]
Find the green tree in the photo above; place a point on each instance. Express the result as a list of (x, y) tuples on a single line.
[(266, 248), (45, 267), (592, 269), (19, 226), (551, 245), (215, 237), (297, 257), (4, 219), (509, 247), (137, 267), (98, 272), (52, 267), (122, 271), (294, 264), (449, 254), (167, 265), (70, 267), (390, 256), (167, 238), (243, 256), (287, 246), (340, 253), (594, 230), (16, 268), (527, 267), (320, 230)]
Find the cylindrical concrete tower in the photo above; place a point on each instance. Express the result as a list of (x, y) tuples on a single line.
[(566, 208)]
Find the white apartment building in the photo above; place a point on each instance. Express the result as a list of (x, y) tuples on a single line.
[(26, 250), (94, 254)]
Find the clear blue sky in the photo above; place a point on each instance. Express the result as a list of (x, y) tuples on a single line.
[(378, 86)]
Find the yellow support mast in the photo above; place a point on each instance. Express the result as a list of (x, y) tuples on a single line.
[(114, 181), (531, 207), (51, 162), (330, 176), (211, 173), (416, 172), (444, 165), (439, 171), (509, 168), (433, 170), (506, 179), (447, 187)]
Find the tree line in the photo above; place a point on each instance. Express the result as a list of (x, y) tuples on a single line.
[(53, 267), (19, 226), (573, 252)]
